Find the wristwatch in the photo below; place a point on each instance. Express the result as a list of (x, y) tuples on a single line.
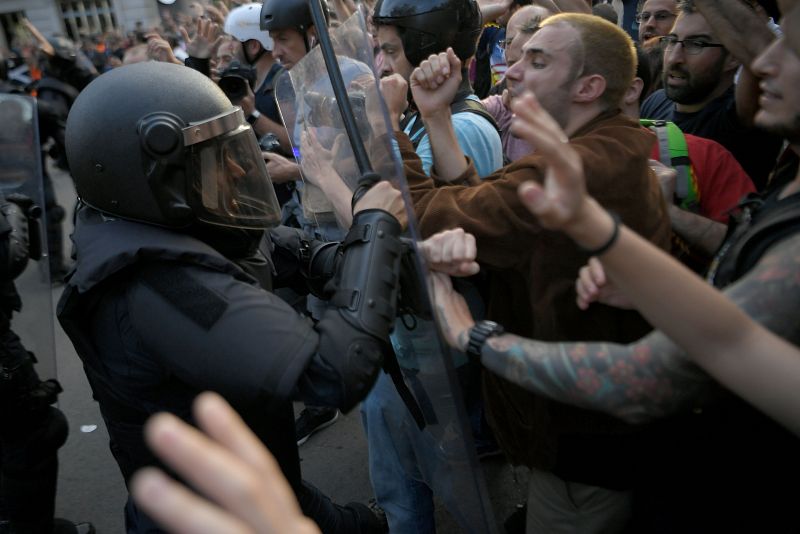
[(253, 117), (478, 335)]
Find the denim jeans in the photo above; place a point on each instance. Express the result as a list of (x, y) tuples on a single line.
[(396, 478)]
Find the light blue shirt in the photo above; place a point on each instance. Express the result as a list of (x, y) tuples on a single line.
[(477, 138)]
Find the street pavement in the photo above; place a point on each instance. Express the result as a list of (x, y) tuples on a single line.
[(90, 487)]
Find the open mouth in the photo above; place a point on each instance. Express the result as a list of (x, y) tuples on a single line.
[(674, 78)]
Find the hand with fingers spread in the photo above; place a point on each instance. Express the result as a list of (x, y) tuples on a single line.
[(562, 202), (452, 252), (318, 161), (592, 285), (158, 49), (452, 311), (244, 490), (205, 40), (435, 83)]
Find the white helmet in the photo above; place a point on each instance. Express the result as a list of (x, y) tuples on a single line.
[(243, 24)]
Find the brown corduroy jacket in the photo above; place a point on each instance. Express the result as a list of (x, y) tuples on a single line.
[(533, 271)]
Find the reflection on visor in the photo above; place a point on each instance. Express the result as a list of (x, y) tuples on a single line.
[(232, 181)]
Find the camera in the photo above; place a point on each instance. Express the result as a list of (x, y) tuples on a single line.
[(269, 143), (234, 81)]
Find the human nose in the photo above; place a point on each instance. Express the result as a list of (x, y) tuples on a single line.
[(513, 71)]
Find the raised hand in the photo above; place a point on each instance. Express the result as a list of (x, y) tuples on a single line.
[(558, 202), (435, 82), (562, 203), (452, 252), (244, 488), (205, 41), (158, 49), (394, 89)]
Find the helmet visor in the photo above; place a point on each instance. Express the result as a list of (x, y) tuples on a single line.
[(231, 186)]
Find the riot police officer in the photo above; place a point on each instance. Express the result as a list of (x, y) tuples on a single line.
[(170, 294), (31, 430)]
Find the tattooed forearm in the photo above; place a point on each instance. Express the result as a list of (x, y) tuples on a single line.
[(638, 382)]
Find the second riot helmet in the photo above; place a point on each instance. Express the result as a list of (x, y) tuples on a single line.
[(284, 14), (431, 26)]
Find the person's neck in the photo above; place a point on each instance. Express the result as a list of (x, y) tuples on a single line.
[(720, 90), (632, 111), (263, 66), (580, 116)]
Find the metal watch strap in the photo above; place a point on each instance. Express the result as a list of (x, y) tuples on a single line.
[(478, 335)]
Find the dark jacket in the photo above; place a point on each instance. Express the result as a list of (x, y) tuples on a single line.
[(158, 316)]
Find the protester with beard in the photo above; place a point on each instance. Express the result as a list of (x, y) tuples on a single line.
[(702, 97), (656, 18)]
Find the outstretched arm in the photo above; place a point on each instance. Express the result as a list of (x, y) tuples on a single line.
[(637, 382), (716, 334)]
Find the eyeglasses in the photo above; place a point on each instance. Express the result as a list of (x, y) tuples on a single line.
[(660, 16), (505, 43), (690, 46)]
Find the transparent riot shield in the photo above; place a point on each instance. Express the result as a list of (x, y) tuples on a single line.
[(20, 179), (424, 370)]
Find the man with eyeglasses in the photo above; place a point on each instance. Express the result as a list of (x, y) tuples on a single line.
[(656, 18), (701, 94)]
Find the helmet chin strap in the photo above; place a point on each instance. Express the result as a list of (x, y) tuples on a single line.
[(247, 58)]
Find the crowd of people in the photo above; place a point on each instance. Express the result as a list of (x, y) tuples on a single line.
[(606, 198)]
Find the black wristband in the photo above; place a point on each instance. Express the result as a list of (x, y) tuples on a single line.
[(478, 335), (611, 240)]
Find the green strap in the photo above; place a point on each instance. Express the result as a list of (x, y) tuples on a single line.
[(674, 152)]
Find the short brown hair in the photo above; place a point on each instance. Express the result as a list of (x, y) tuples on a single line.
[(604, 49)]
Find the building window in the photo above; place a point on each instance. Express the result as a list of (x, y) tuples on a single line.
[(87, 17)]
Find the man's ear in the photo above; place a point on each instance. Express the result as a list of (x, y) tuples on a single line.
[(311, 36), (588, 89), (253, 47), (731, 63), (633, 92)]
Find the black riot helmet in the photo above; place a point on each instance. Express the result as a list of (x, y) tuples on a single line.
[(283, 14), (162, 144), (431, 26)]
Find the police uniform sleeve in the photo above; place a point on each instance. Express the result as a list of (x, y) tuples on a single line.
[(216, 332)]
